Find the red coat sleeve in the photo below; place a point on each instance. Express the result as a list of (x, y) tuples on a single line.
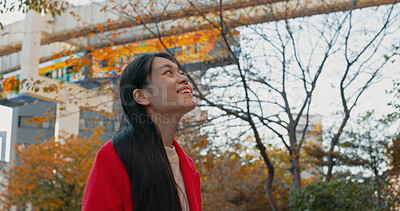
[(108, 186)]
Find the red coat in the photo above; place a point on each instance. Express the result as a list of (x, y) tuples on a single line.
[(108, 186)]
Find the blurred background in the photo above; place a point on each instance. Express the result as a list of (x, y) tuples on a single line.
[(298, 101)]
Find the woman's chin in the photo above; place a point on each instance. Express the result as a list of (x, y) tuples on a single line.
[(191, 107), (186, 108)]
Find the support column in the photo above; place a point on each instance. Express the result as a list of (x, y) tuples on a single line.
[(30, 53), (67, 119)]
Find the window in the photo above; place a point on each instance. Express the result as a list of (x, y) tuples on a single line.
[(109, 125), (46, 124), (70, 69), (188, 50), (82, 124), (104, 63), (48, 74), (3, 143), (175, 51), (54, 74), (1, 153), (24, 123), (116, 125), (137, 55), (60, 73)]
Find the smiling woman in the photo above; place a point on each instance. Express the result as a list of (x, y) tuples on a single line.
[(169, 93), (143, 167)]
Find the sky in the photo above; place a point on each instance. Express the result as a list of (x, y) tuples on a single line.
[(326, 99)]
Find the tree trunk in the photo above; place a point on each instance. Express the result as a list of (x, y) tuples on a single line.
[(294, 159), (330, 168), (334, 142), (295, 169), (269, 194), (271, 170)]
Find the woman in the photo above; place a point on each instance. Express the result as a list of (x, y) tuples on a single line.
[(143, 167)]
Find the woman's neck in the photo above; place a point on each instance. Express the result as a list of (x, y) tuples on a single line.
[(167, 124)]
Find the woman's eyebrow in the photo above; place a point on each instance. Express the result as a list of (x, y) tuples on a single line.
[(168, 66)]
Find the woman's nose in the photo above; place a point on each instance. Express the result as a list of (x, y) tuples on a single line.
[(183, 79)]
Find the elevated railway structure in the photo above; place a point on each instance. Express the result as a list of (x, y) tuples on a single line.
[(65, 30)]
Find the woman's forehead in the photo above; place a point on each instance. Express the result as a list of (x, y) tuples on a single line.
[(159, 63)]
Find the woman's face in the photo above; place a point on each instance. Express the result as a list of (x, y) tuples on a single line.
[(169, 91)]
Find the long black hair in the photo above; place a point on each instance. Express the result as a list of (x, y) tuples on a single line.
[(139, 145)]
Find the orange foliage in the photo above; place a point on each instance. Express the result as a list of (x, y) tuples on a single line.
[(230, 178), (51, 175), (8, 85), (229, 181), (204, 39)]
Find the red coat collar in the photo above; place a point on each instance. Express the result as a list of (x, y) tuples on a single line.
[(191, 178)]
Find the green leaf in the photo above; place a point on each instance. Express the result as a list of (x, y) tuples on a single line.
[(386, 57)]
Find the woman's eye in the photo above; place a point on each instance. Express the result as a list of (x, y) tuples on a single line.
[(168, 72)]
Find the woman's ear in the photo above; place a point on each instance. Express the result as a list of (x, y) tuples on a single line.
[(140, 97)]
